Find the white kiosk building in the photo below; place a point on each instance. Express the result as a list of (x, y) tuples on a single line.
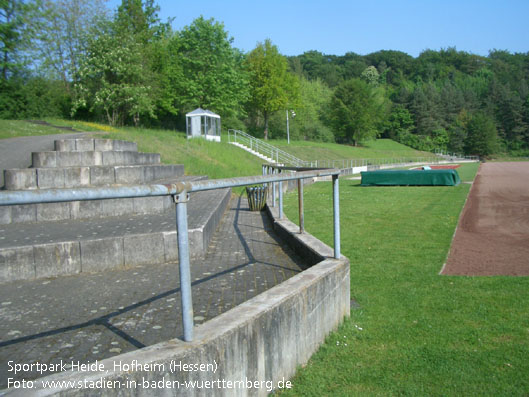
[(203, 123)]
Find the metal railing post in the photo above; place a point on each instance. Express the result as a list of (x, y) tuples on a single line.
[(274, 171), (280, 200), (300, 202), (336, 208), (183, 264)]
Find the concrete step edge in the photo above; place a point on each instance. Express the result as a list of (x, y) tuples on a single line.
[(95, 175), (93, 254), (95, 209), (53, 159), (94, 144)]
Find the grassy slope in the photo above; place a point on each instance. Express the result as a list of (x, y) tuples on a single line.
[(200, 157), (15, 128), (381, 148), (415, 333)]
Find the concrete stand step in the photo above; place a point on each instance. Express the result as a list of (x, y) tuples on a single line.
[(93, 209), (71, 177), (50, 249), (98, 145), (91, 158)]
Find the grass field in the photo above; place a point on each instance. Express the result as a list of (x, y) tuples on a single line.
[(415, 332)]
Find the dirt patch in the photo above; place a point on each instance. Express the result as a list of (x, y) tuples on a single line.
[(492, 237)]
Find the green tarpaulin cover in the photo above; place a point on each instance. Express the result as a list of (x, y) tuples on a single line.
[(411, 178)]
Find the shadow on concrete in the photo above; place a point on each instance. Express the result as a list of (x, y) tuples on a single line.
[(105, 319)]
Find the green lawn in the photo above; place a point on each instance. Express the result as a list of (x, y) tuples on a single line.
[(415, 332)]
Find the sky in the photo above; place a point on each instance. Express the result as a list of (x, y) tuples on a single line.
[(335, 27)]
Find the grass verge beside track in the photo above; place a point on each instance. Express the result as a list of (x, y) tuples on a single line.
[(415, 332)]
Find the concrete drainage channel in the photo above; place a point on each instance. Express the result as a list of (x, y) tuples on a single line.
[(248, 350)]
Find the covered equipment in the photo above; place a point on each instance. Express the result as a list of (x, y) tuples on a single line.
[(444, 177)]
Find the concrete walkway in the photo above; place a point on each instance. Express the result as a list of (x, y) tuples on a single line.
[(90, 317)]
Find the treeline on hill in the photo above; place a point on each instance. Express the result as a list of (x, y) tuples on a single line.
[(68, 58)]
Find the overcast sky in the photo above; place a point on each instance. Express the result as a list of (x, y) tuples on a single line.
[(340, 26)]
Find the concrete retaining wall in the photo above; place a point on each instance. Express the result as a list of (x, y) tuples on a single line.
[(258, 343)]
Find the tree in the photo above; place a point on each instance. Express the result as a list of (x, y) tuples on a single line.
[(481, 137), (19, 21), (63, 37), (400, 122), (272, 87), (371, 76), (311, 115), (116, 73), (140, 19), (307, 119), (205, 71), (354, 112), (425, 109)]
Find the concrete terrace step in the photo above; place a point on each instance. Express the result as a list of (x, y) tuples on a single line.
[(98, 145), (69, 177), (71, 210), (91, 158), (50, 249)]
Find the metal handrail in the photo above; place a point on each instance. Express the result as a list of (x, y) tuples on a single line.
[(180, 193), (454, 156), (353, 163), (277, 155)]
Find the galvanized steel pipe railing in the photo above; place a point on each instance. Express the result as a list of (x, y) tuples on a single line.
[(180, 193)]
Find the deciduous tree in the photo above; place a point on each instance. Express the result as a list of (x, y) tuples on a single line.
[(272, 87), (19, 22), (354, 112), (116, 76), (205, 70)]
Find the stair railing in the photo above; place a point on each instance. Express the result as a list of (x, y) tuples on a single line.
[(275, 154)]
